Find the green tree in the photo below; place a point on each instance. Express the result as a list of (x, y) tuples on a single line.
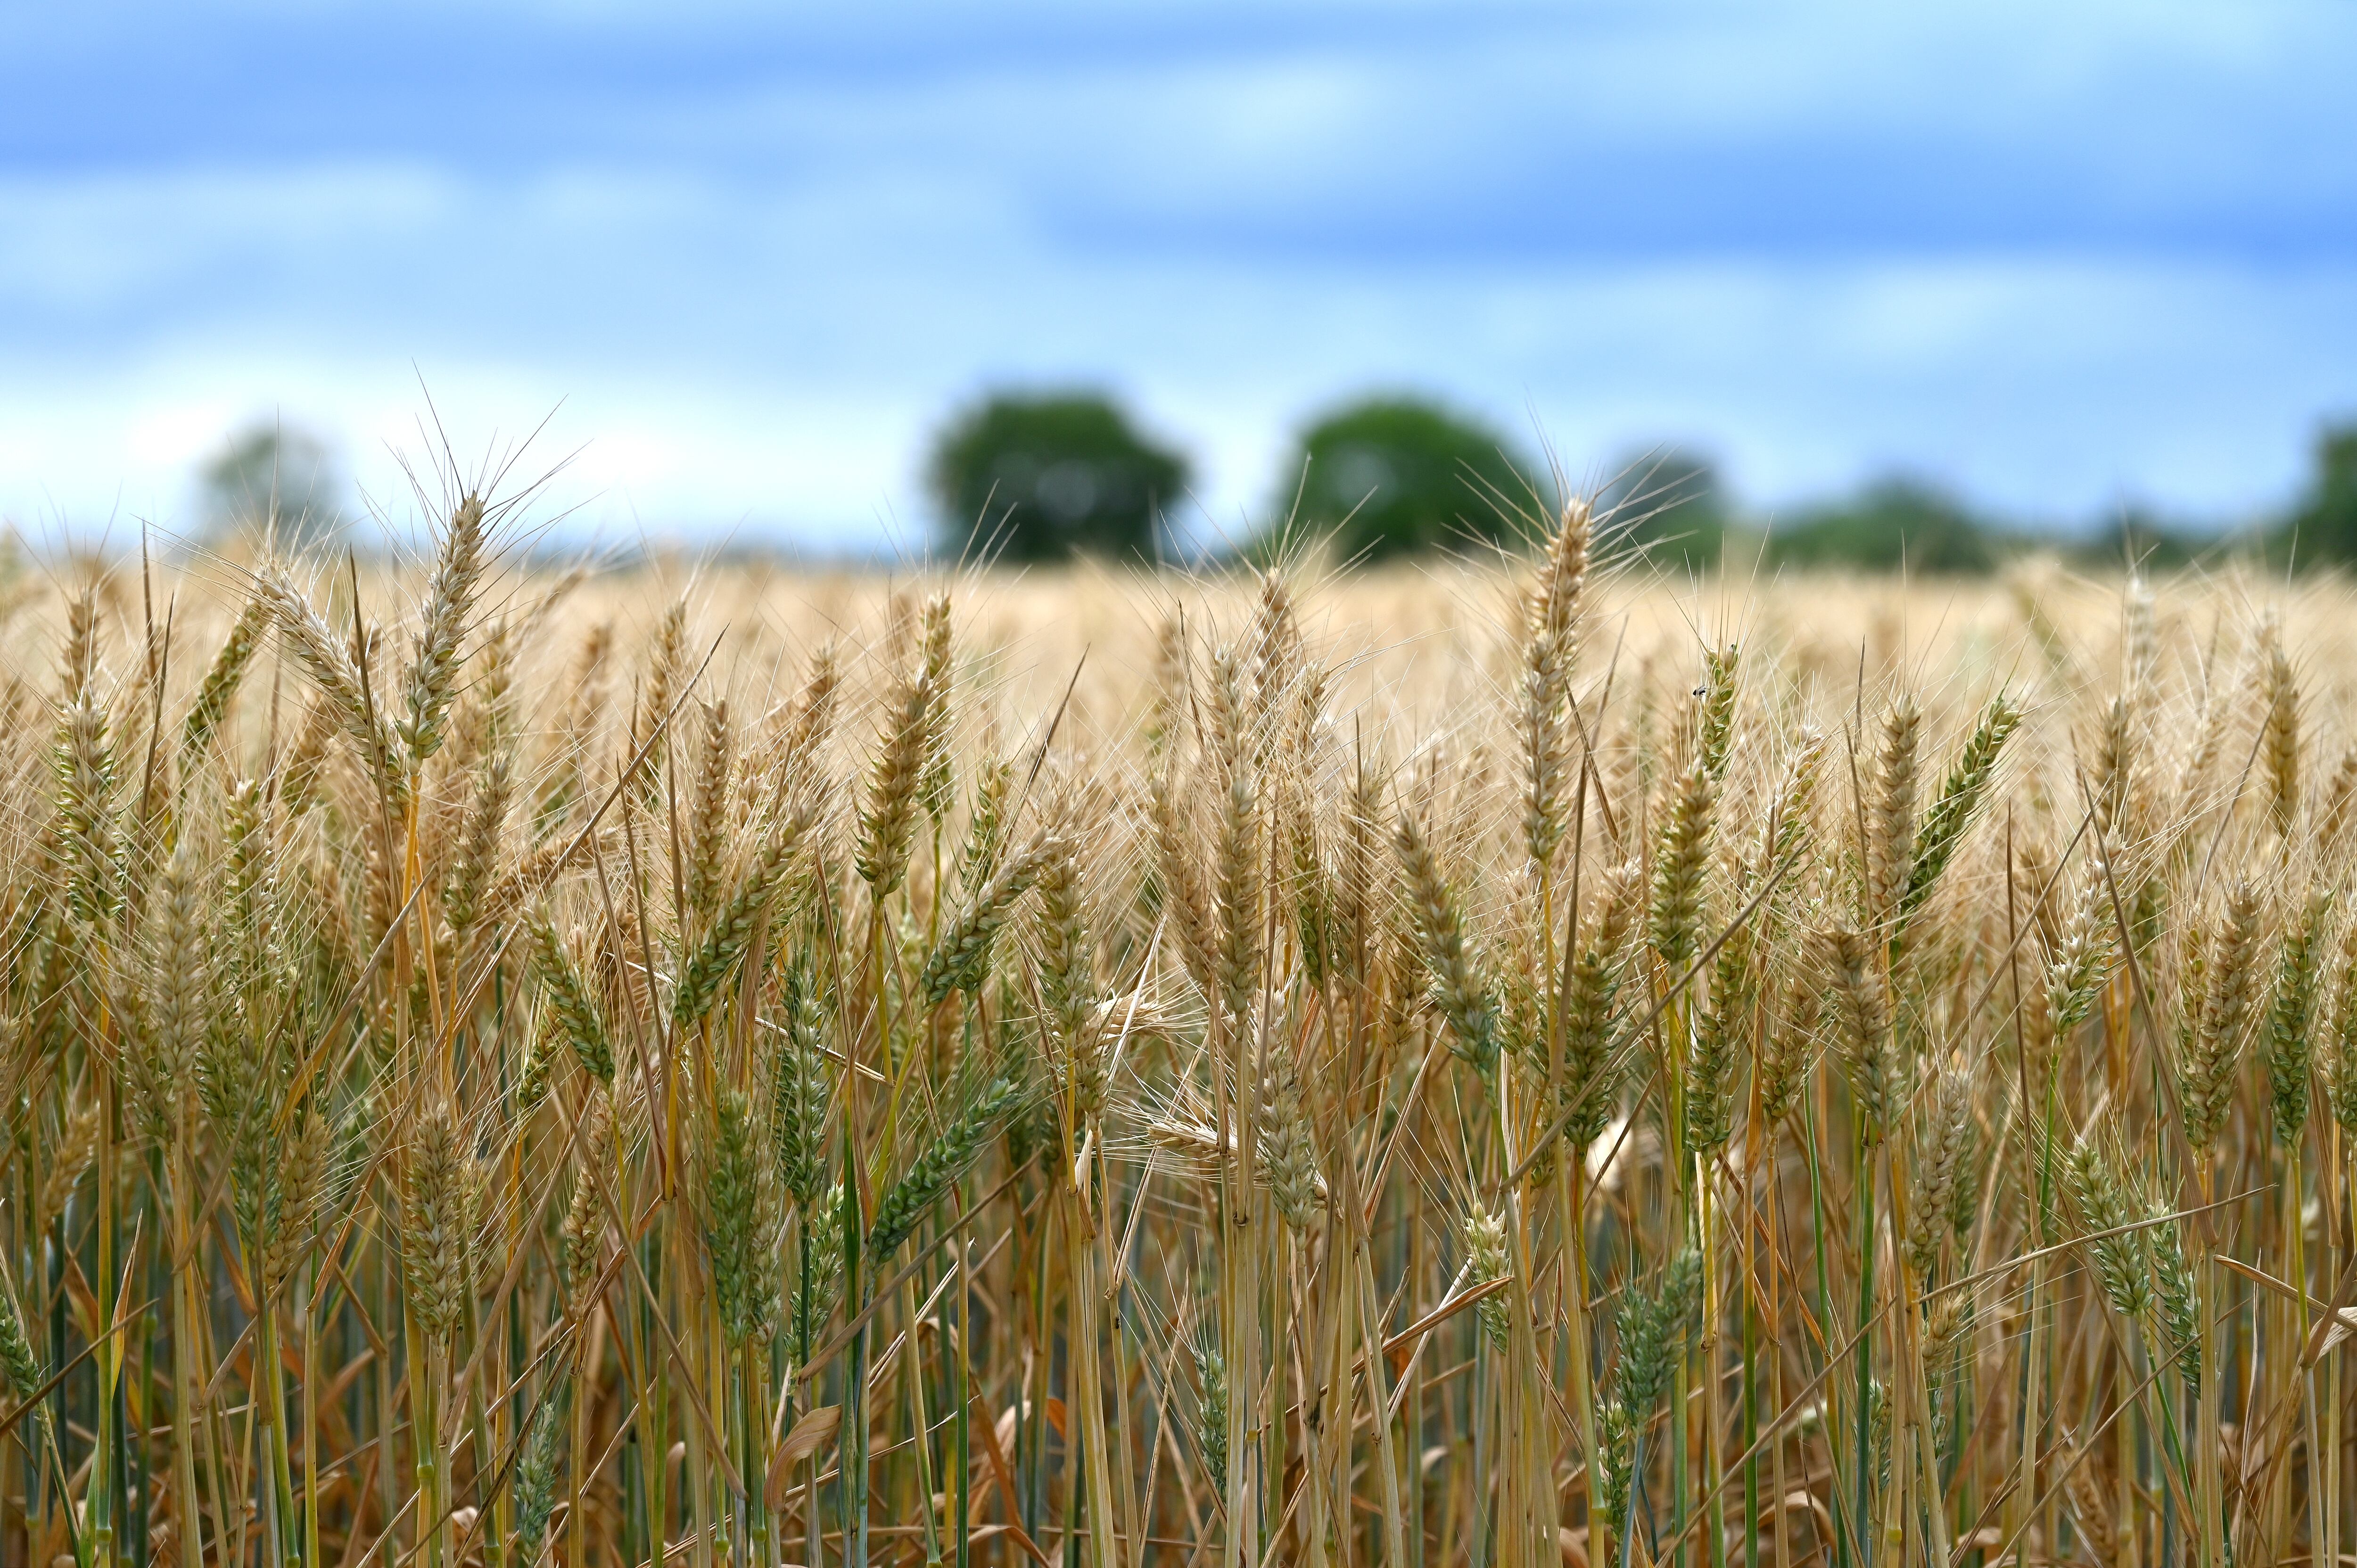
[(1387, 476), (1892, 523), (1042, 477), (275, 477), (2322, 528), (1671, 503)]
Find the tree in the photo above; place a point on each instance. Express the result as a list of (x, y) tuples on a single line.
[(1388, 475), (272, 476), (1670, 503), (2323, 527), (1895, 522), (1042, 477)]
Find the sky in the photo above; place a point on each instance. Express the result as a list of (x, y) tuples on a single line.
[(733, 261)]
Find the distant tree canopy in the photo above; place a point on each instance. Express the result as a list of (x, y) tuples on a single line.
[(1894, 523), (1391, 475), (276, 477), (2322, 528), (1671, 504), (1042, 477)]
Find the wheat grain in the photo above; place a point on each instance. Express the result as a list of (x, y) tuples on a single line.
[(297, 983)]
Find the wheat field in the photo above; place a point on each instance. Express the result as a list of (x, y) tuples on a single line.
[(1510, 1063)]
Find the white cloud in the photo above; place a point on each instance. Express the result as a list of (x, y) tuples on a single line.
[(727, 371)]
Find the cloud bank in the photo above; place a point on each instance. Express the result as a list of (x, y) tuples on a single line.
[(2060, 260)]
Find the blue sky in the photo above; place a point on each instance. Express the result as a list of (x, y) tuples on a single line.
[(2062, 257)]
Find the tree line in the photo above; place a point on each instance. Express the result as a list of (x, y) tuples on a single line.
[(1030, 477), (1038, 476)]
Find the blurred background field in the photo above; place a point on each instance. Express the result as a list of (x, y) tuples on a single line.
[(1417, 648)]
